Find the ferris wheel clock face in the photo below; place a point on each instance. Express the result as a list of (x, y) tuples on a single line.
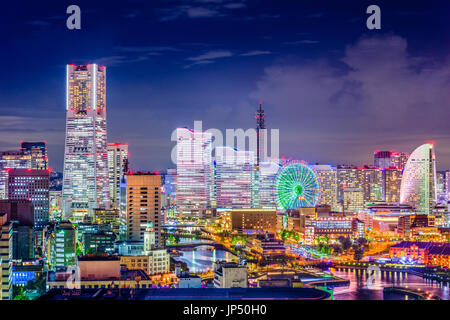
[(297, 186)]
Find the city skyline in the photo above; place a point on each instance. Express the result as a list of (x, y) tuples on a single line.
[(339, 91)]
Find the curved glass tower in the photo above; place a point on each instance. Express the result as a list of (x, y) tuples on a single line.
[(418, 187)]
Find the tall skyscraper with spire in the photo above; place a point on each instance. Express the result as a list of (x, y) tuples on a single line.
[(261, 136), (85, 184)]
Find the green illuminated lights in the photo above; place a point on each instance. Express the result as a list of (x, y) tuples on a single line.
[(297, 186)]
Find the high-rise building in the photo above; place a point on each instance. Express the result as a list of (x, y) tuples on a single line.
[(38, 153), (267, 195), (234, 169), (140, 205), (418, 187), (371, 181), (441, 195), (382, 159), (392, 179), (28, 184), (353, 200), (327, 176), (63, 245), (347, 177), (117, 167), (194, 187), (11, 160), (86, 183), (399, 159), (6, 232)]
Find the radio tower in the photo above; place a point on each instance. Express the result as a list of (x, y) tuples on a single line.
[(260, 126)]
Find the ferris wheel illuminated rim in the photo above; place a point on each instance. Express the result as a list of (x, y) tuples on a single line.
[(297, 186)]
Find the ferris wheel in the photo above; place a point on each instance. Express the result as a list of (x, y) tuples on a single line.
[(297, 186)]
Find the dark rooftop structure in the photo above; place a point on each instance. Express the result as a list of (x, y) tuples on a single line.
[(189, 294)]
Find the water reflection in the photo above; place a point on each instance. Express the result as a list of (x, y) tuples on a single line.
[(358, 289), (202, 258)]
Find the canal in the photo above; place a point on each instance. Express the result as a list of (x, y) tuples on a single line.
[(201, 258), (358, 289)]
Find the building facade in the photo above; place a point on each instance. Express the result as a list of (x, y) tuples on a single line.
[(418, 186), (141, 205), (117, 167), (28, 184), (85, 183), (194, 186)]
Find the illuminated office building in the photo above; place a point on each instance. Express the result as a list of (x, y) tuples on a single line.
[(441, 195), (418, 187), (327, 176), (392, 179), (267, 196), (6, 245), (86, 183), (11, 160), (194, 186), (399, 159), (371, 181), (353, 200), (234, 171), (38, 153), (28, 184), (140, 205), (347, 177), (382, 159), (117, 167)]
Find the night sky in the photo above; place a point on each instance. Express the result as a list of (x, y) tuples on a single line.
[(335, 90)]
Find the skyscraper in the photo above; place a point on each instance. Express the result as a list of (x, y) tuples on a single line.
[(38, 153), (418, 187), (268, 172), (382, 159), (141, 205), (86, 183), (28, 184), (399, 159), (392, 179), (117, 167), (234, 171), (194, 186), (327, 176), (11, 160)]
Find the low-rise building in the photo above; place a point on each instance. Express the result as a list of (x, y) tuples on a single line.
[(156, 262), (428, 253), (230, 275)]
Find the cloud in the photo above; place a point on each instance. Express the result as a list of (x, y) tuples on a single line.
[(302, 42), (390, 98), (117, 60), (213, 54), (208, 57), (255, 53), (316, 15), (40, 23), (194, 9)]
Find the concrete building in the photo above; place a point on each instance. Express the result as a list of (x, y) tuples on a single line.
[(353, 200), (117, 167), (140, 205), (253, 220), (28, 184), (230, 275), (156, 262), (5, 257)]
